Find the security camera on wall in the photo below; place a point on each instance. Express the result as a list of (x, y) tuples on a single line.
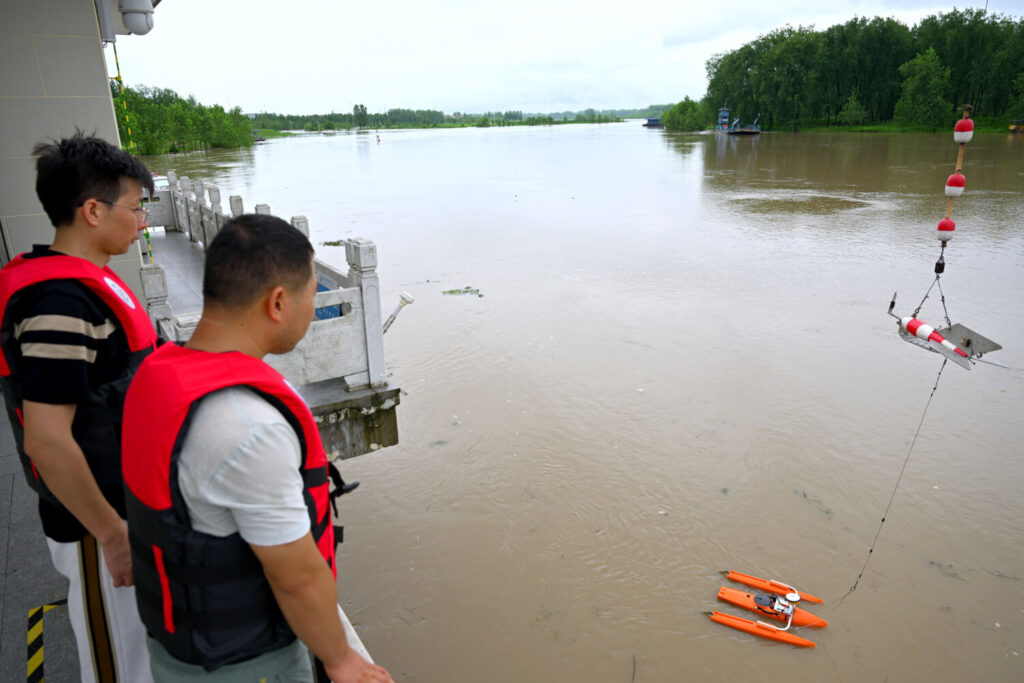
[(124, 17)]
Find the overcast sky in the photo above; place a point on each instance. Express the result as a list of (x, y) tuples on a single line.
[(309, 56)]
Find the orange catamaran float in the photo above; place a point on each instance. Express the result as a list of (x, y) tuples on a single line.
[(772, 606)]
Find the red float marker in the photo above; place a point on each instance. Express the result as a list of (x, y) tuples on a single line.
[(964, 130), (946, 229), (955, 185)]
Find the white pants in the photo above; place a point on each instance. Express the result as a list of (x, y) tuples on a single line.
[(110, 637)]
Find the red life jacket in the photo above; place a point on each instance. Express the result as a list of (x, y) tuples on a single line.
[(97, 423), (204, 597)]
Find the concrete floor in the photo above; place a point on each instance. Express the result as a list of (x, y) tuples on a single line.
[(182, 261), (28, 579)]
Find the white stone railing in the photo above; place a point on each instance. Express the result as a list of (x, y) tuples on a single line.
[(349, 346)]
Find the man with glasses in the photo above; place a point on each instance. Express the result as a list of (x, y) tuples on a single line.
[(72, 335)]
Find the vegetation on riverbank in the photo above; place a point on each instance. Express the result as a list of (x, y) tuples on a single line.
[(160, 121), (423, 118), (868, 73), (687, 115), (893, 127), (269, 133)]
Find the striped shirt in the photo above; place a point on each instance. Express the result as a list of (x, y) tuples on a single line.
[(62, 340)]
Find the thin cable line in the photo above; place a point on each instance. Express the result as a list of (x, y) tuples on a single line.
[(895, 488)]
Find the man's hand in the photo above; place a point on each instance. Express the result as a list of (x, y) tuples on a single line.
[(118, 555), (354, 669), (305, 592), (61, 463)]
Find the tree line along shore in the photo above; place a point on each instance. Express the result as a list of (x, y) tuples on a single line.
[(160, 121), (869, 74)]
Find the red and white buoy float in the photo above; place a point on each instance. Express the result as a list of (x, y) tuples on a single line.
[(924, 331), (947, 226), (955, 185), (964, 130)]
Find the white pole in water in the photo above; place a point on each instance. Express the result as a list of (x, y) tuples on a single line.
[(403, 301)]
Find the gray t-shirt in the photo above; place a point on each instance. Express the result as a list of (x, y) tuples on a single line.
[(239, 470)]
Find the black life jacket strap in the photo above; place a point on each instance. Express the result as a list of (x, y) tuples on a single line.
[(340, 487), (318, 477), (314, 477), (207, 620), (206, 575)]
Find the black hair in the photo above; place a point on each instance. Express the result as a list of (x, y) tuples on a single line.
[(251, 254), (75, 169)]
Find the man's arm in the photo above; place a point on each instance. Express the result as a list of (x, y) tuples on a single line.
[(304, 589), (61, 463)]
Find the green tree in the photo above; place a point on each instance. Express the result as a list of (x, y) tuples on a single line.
[(853, 112), (983, 51), (686, 115), (359, 114), (1016, 109), (798, 74), (924, 100), (483, 122)]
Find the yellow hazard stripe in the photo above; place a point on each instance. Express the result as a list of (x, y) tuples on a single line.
[(34, 638), (35, 631), (35, 662)]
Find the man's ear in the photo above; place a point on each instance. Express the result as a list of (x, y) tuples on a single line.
[(276, 303), (91, 211)]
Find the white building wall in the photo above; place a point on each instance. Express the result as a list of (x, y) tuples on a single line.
[(54, 79)]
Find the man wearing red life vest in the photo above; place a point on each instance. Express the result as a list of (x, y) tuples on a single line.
[(228, 486), (72, 334)]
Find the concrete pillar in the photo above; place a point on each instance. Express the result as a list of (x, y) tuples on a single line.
[(154, 293), (200, 195), (235, 201), (263, 209), (180, 213), (302, 224), (361, 255), (212, 216), (215, 199), (172, 179)]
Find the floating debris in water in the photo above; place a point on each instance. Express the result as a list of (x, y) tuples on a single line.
[(725, 490), (946, 569), (1003, 576), (467, 290), (816, 502)]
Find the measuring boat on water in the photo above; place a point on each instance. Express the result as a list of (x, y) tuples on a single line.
[(779, 604)]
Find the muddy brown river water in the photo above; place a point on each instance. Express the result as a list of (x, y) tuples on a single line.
[(680, 363)]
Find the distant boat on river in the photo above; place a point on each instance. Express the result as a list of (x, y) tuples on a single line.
[(724, 126), (653, 123)]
